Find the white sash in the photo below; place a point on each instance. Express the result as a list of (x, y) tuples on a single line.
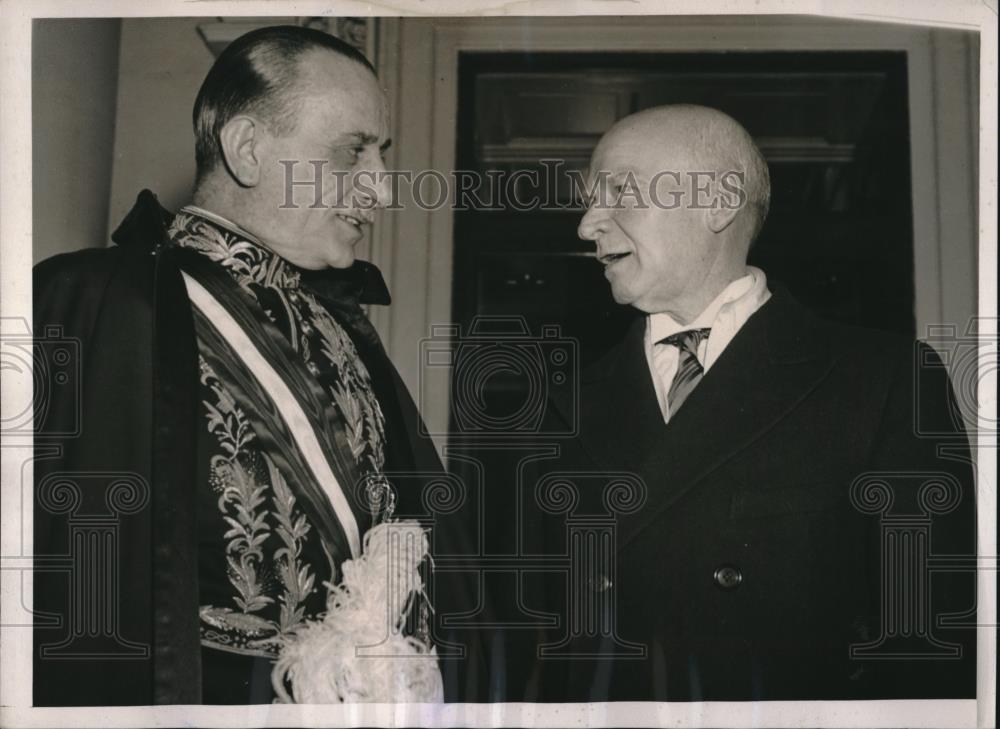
[(289, 408)]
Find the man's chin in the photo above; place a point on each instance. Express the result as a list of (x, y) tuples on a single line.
[(622, 295), (322, 264), (340, 255)]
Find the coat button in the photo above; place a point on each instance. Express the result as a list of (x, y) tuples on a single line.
[(601, 583), (728, 577)]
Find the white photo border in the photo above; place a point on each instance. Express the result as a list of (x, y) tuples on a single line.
[(15, 455)]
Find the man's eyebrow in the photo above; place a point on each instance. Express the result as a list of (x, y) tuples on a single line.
[(357, 138)]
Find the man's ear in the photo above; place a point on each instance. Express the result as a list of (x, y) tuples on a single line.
[(721, 216), (239, 140)]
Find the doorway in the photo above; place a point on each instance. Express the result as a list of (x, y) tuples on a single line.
[(833, 127)]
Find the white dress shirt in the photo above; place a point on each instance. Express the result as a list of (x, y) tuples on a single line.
[(727, 313)]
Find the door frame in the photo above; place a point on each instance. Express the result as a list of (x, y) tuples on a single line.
[(418, 64)]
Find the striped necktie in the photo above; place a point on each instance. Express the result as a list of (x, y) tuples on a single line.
[(689, 369)]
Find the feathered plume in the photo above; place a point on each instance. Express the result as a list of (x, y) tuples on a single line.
[(357, 651)]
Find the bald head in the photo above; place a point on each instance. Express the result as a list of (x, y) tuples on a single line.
[(695, 138), (689, 193)]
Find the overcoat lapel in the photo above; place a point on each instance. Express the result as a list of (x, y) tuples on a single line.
[(619, 419), (769, 367)]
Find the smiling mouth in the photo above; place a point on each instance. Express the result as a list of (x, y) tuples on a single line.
[(356, 222), (608, 258)]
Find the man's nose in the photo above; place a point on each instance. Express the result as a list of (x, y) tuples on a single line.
[(593, 224), (377, 190)]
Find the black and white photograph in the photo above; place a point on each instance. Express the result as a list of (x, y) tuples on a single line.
[(539, 364)]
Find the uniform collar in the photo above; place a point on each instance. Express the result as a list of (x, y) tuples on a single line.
[(146, 229)]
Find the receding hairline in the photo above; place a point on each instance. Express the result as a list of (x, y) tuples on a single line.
[(302, 62), (306, 72), (266, 74)]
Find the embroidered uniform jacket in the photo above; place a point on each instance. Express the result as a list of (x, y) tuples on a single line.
[(227, 542)]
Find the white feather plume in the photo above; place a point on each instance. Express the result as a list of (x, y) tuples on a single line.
[(357, 651)]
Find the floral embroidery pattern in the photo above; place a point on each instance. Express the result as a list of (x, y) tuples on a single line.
[(242, 500), (363, 418), (292, 529), (272, 584), (247, 260), (313, 332)]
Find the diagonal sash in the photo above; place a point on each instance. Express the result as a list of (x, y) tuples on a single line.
[(298, 429)]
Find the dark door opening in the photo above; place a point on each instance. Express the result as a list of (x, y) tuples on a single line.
[(833, 127)]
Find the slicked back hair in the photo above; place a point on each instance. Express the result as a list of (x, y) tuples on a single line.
[(258, 72)]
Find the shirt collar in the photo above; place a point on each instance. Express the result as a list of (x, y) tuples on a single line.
[(663, 325)]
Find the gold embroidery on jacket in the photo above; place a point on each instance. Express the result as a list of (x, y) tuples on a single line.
[(244, 489), (265, 529)]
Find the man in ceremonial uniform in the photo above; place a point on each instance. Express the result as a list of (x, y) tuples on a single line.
[(233, 394)]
